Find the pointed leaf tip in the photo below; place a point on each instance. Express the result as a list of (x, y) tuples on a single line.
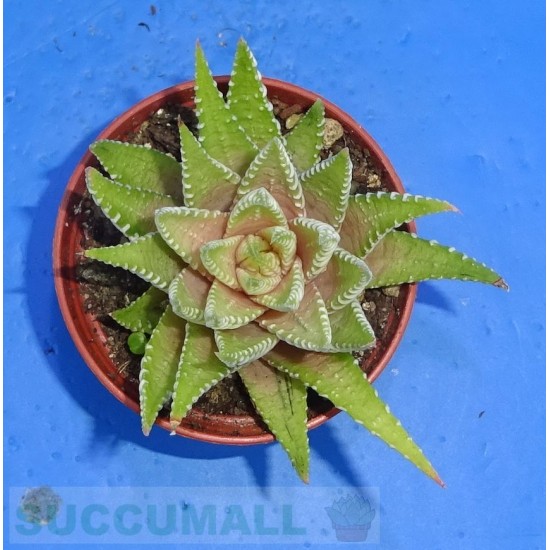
[(146, 430), (219, 133), (247, 98), (501, 283), (174, 425), (305, 140)]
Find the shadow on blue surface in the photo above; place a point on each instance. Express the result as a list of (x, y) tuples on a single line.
[(113, 423), (429, 294)]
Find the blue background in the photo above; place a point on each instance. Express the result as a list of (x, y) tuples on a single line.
[(454, 93)]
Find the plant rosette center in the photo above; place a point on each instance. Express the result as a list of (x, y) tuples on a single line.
[(259, 267)]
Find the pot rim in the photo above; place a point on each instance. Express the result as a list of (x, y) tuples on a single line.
[(71, 306)]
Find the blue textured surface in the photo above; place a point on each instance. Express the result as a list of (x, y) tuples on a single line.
[(454, 93)]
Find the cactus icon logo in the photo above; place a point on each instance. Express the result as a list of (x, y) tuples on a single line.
[(351, 518)]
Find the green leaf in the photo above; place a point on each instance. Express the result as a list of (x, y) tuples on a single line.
[(350, 329), (206, 182), (149, 257), (247, 98), (308, 327), (288, 294), (219, 133), (185, 230), (139, 166), (404, 258), (338, 377), (188, 293), (345, 277), (273, 170), (281, 402), (243, 345), (229, 309), (283, 242), (369, 217), (219, 259), (143, 314), (253, 212), (159, 367), (199, 370), (256, 284), (131, 210), (305, 141), (315, 243), (326, 189)]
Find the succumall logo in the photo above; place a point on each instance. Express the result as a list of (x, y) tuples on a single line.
[(203, 514)]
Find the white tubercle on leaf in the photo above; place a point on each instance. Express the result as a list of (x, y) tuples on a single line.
[(254, 211), (273, 170), (316, 242)]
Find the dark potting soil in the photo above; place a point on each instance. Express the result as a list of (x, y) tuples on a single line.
[(104, 288)]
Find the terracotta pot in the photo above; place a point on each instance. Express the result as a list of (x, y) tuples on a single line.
[(88, 333)]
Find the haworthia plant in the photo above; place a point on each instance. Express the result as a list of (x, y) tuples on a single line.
[(258, 257)]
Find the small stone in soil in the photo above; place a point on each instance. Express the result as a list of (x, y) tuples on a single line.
[(333, 132), (292, 120), (392, 291)]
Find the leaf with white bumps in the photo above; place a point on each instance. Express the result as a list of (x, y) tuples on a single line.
[(206, 182), (404, 258), (315, 243), (343, 280), (305, 141), (308, 327), (350, 329), (245, 344), (338, 377), (149, 257), (188, 293), (283, 242), (369, 217), (288, 295), (228, 309), (198, 370), (219, 259), (185, 230), (159, 367), (247, 98), (140, 166), (272, 169), (219, 132), (253, 212), (132, 210), (281, 402), (326, 189), (143, 314)]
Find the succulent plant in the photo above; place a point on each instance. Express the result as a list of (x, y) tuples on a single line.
[(351, 511), (257, 257)]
